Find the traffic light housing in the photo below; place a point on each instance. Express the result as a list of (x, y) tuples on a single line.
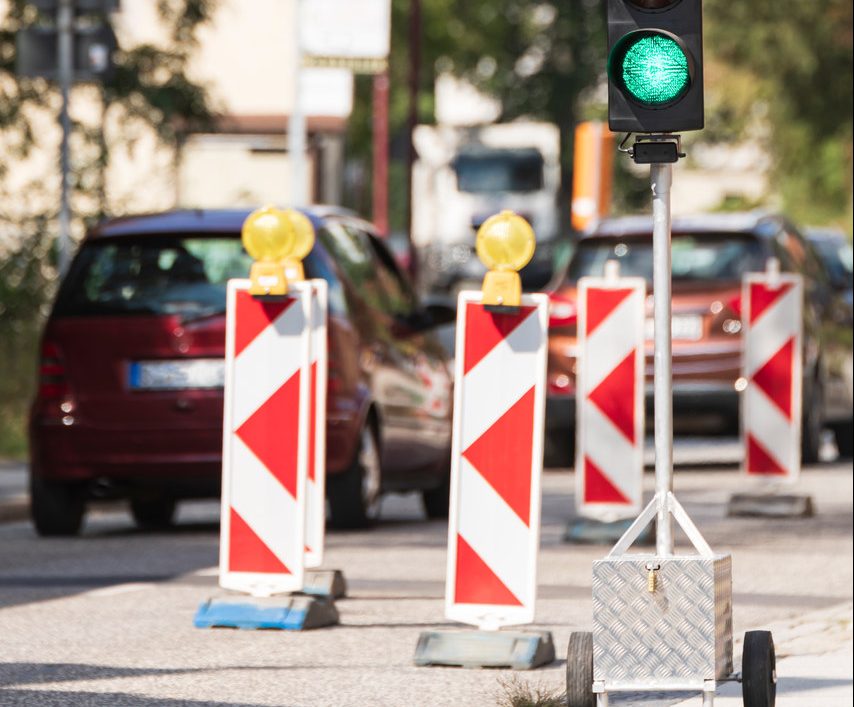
[(655, 65)]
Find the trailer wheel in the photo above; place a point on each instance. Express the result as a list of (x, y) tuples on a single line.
[(579, 670), (759, 670)]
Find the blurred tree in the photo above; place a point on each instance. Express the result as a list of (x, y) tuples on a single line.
[(149, 90), (787, 65)]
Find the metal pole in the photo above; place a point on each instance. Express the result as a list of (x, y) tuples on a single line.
[(65, 56), (296, 123), (380, 140), (661, 177)]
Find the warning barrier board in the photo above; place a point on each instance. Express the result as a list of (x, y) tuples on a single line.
[(494, 527)]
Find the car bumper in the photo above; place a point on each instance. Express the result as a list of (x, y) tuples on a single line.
[(697, 408)]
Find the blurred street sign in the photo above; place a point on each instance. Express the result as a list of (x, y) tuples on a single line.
[(353, 34), (37, 52)]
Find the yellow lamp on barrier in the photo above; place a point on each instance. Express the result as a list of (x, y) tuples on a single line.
[(269, 237), (303, 243), (505, 244)]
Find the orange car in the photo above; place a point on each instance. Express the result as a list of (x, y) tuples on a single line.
[(709, 254)]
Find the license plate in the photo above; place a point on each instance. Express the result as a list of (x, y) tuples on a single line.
[(684, 327), (199, 373)]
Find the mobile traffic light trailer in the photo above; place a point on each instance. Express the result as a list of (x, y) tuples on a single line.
[(661, 621)]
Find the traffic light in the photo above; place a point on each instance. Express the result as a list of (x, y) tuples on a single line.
[(655, 65)]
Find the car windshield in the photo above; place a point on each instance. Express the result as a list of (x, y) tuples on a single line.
[(500, 171), (712, 257), (837, 258), (184, 276)]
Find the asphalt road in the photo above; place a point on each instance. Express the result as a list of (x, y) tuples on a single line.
[(105, 620)]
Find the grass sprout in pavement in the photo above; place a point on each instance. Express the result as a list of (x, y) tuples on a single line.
[(520, 693)]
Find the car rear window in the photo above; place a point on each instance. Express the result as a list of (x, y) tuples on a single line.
[(178, 275), (695, 257)]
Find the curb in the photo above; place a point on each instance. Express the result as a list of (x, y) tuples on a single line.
[(14, 509)]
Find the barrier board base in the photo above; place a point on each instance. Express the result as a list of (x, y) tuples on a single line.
[(759, 505), (585, 531), (295, 612), (517, 650), (325, 583)]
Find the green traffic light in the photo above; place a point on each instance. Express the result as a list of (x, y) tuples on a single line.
[(653, 68)]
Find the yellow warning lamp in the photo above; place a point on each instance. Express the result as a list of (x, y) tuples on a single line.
[(505, 244), (303, 243), (268, 236)]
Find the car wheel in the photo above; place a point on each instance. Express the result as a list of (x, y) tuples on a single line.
[(559, 448), (843, 434), (436, 501), (354, 494), (812, 425), (153, 512), (57, 508)]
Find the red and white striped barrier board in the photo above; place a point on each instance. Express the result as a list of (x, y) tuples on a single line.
[(497, 460), (609, 397), (771, 404), (315, 499), (265, 435)]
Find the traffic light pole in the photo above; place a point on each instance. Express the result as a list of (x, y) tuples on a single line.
[(65, 41), (661, 177)]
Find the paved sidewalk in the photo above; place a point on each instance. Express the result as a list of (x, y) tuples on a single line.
[(814, 662), (14, 500)]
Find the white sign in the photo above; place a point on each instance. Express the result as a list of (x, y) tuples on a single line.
[(357, 29), (326, 92)]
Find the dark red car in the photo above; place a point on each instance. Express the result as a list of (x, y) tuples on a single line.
[(130, 400)]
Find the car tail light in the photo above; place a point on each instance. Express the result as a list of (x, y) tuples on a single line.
[(562, 311), (53, 381)]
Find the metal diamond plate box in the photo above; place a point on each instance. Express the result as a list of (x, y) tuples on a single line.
[(662, 620)]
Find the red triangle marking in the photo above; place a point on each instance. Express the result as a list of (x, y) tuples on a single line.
[(476, 583), (248, 553), (252, 316), (598, 488), (312, 423), (615, 396), (601, 304), (762, 297), (485, 330), (502, 455), (775, 377), (273, 436), (759, 461)]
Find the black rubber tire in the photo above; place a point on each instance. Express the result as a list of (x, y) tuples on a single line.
[(579, 670), (812, 424), (56, 508), (844, 434), (153, 512), (559, 449), (348, 506), (759, 670), (437, 501)]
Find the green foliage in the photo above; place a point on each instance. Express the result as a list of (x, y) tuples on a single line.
[(792, 62)]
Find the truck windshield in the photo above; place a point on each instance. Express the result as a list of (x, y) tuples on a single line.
[(500, 171)]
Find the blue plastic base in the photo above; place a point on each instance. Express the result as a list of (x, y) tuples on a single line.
[(325, 583), (288, 613)]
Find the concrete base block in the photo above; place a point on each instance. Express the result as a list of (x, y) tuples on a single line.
[(584, 531), (766, 505), (518, 650), (325, 583), (294, 612)]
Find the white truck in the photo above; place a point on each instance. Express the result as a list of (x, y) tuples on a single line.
[(462, 176)]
